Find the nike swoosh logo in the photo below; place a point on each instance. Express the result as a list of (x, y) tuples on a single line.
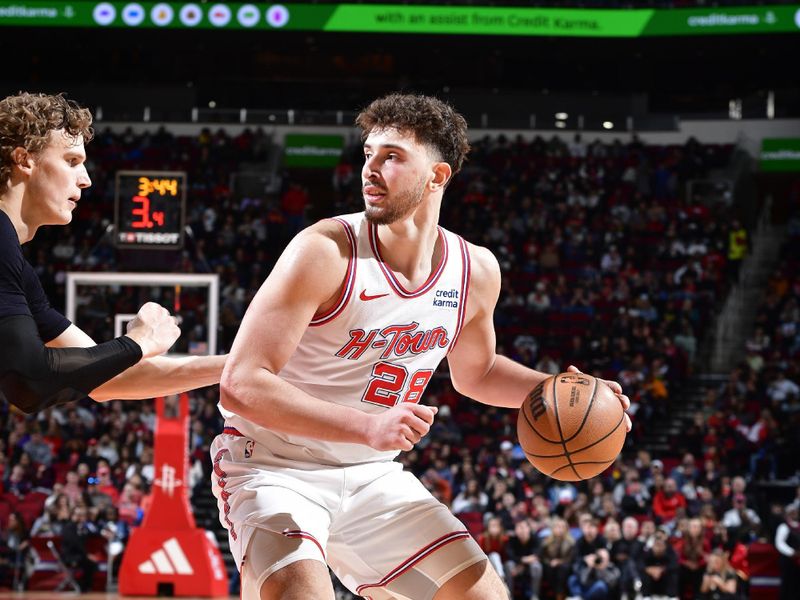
[(366, 297)]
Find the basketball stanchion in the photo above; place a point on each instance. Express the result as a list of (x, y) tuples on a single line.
[(169, 554)]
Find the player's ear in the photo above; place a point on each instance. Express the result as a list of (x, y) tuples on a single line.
[(22, 158), (441, 175)]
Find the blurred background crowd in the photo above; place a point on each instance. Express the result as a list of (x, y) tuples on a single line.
[(606, 265)]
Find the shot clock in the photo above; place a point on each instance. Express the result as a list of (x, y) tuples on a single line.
[(150, 208)]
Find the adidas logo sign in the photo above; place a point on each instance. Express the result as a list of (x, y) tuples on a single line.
[(168, 560)]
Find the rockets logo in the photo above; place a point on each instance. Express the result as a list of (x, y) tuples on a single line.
[(167, 480), (396, 340)]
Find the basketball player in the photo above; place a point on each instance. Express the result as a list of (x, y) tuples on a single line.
[(322, 387), (44, 359)]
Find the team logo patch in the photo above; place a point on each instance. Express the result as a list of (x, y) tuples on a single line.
[(249, 445), (446, 298)]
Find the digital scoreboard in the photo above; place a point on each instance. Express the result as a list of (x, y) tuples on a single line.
[(150, 209)]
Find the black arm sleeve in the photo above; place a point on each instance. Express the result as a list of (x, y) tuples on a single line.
[(34, 377)]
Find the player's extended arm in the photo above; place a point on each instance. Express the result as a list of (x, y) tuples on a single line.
[(156, 376), (476, 369), (35, 377), (307, 277)]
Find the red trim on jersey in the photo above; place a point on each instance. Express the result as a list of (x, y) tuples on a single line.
[(417, 557), (347, 290), (466, 269), (296, 533), (232, 431), (387, 272), (224, 495)]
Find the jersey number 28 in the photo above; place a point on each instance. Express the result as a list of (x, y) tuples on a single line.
[(390, 381)]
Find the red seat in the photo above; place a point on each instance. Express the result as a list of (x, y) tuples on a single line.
[(47, 573), (473, 521), (5, 511)]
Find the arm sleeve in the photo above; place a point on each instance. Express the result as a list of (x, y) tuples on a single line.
[(34, 377)]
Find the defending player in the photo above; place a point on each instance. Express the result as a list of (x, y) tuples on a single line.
[(322, 386), (44, 359)]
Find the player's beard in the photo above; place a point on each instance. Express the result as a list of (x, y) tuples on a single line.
[(396, 208)]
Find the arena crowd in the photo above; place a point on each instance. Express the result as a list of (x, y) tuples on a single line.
[(606, 266)]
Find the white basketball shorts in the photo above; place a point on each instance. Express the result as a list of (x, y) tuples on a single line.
[(375, 525)]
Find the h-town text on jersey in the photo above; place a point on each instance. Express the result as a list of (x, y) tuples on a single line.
[(396, 340)]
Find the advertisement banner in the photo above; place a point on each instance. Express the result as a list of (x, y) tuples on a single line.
[(304, 150), (404, 18), (780, 154)]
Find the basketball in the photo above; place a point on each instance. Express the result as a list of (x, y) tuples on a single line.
[(571, 426)]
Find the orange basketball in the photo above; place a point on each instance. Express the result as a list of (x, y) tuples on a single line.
[(571, 426)]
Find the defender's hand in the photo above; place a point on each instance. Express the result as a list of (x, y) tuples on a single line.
[(154, 329)]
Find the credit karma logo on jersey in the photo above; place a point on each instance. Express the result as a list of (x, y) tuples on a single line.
[(446, 298), (395, 340)]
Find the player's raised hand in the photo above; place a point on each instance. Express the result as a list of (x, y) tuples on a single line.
[(400, 427), (154, 329), (617, 389)]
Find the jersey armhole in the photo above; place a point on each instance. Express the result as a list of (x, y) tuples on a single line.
[(349, 281), (466, 269)]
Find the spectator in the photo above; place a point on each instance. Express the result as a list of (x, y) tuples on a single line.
[(635, 500), (668, 502), (625, 553), (470, 499), (692, 548), (558, 550), (719, 581), (45, 525), (74, 535), (547, 365), (128, 506), (685, 472), (523, 567), (590, 540), (594, 577), (73, 489), (787, 541), (737, 249), (493, 542), (14, 548), (538, 299), (658, 566), (293, 204), (18, 482), (782, 390), (39, 450), (107, 449), (741, 521)]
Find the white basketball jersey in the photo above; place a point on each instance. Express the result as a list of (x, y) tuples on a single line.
[(378, 345)]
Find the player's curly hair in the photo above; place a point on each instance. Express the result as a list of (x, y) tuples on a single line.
[(26, 121), (432, 121)]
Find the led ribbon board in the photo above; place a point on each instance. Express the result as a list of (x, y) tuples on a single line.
[(404, 18)]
